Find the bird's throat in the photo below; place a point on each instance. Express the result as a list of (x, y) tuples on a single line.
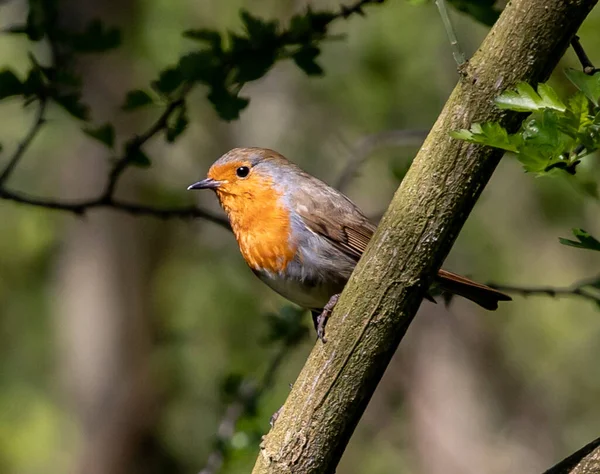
[(262, 227)]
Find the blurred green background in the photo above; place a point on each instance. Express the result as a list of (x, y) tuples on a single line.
[(116, 332)]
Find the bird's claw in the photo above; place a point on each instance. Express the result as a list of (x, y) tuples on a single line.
[(324, 316)]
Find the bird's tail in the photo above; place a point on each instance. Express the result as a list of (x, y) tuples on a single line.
[(483, 295)]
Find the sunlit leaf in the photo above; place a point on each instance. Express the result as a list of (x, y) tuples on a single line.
[(525, 99), (490, 134)]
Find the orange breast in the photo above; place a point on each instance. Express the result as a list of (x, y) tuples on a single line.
[(262, 227)]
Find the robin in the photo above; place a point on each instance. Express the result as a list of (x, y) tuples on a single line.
[(300, 236)]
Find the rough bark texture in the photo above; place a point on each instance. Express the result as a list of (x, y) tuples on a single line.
[(584, 461), (412, 240)]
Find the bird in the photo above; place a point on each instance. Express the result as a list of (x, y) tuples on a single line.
[(301, 236)]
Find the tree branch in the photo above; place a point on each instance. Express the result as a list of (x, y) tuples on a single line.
[(134, 146), (584, 461), (413, 238), (585, 61), (582, 289), (136, 143), (81, 207), (24, 144)]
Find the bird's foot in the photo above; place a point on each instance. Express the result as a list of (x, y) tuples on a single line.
[(324, 316)]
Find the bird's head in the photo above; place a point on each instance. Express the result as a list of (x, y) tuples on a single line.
[(245, 175)]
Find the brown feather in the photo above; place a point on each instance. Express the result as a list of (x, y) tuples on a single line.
[(350, 231)]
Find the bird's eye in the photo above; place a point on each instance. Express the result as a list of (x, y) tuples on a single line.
[(242, 171)]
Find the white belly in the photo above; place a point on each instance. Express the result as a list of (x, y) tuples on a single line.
[(302, 293)]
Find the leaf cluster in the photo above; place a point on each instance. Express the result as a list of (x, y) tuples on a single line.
[(223, 62), (556, 135)]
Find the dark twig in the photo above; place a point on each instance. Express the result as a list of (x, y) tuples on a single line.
[(131, 152), (361, 151), (587, 288), (457, 52), (586, 64), (24, 144), (136, 143), (81, 207), (247, 395)]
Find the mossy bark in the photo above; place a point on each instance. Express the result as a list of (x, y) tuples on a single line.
[(412, 240), (584, 461)]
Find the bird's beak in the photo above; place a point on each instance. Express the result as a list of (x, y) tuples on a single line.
[(207, 183)]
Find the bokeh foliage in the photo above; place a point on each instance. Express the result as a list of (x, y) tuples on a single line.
[(211, 333)]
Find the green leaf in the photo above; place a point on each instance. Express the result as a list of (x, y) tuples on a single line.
[(550, 97), (543, 144), (104, 134), (585, 240), (589, 85), (137, 157), (34, 84), (227, 105), (199, 66), (305, 60), (96, 38), (253, 65), (72, 104), (178, 127), (490, 134), (205, 35), (259, 30), (526, 99), (580, 108), (168, 80), (9, 84), (136, 99)]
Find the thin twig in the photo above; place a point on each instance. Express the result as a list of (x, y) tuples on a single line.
[(247, 394), (24, 144), (457, 52), (361, 151), (136, 143), (132, 148), (583, 289), (81, 207), (585, 61)]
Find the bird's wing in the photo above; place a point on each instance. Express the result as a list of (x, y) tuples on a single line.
[(332, 215)]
